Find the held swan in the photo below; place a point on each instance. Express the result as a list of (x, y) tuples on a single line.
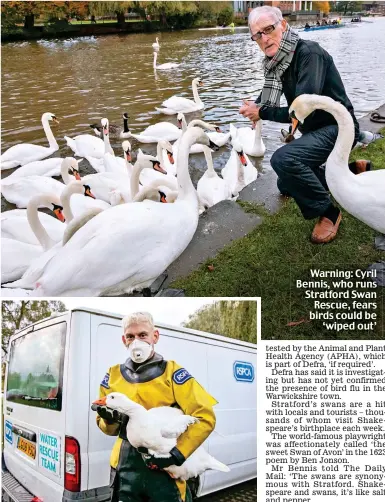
[(177, 104), (155, 235), (21, 154), (362, 195)]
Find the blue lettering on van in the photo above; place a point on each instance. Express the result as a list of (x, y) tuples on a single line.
[(49, 453), (181, 376), (106, 380), (8, 432), (243, 371)]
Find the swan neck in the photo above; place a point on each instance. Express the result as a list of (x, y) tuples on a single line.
[(345, 138), (48, 132), (258, 130), (65, 175), (186, 187), (134, 180), (107, 145), (240, 170), (34, 222), (209, 160), (197, 99), (65, 200), (155, 56)]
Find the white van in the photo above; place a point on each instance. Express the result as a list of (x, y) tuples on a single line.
[(52, 447)]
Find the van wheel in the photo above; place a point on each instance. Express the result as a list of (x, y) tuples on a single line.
[(193, 484)]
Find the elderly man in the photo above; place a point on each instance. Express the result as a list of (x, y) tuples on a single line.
[(293, 67), (149, 380)]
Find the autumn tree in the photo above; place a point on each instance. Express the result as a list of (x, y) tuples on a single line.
[(19, 314), (235, 319), (322, 6)]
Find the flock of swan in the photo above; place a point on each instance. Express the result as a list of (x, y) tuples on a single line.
[(111, 232)]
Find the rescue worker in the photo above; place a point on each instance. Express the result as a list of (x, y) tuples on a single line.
[(149, 380)]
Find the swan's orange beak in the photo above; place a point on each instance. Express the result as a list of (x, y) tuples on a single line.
[(170, 157), (88, 193), (294, 123), (163, 197), (101, 402), (159, 168), (54, 119), (76, 174), (128, 156), (59, 214), (242, 158), (218, 129)]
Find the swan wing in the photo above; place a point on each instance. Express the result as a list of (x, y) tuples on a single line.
[(25, 153), (16, 257), (21, 190), (18, 228), (47, 167)]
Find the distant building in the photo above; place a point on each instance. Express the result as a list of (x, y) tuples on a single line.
[(242, 8)]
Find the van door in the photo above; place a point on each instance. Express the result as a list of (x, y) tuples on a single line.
[(232, 380), (33, 409)]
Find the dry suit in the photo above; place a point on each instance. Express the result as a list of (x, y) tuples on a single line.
[(154, 383)]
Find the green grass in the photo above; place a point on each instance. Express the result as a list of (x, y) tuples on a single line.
[(269, 260)]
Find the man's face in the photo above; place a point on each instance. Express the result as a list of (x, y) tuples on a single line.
[(269, 44), (140, 331)]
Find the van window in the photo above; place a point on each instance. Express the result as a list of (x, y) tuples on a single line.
[(35, 372)]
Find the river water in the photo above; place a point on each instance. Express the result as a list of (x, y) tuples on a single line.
[(84, 79)]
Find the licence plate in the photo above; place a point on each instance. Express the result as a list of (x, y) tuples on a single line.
[(26, 447)]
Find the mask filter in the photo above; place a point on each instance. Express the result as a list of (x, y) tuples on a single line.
[(140, 351)]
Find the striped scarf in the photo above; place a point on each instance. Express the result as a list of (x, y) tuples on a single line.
[(274, 68)]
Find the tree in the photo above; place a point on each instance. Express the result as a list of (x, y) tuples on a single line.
[(19, 314), (26, 10), (235, 319), (322, 6)]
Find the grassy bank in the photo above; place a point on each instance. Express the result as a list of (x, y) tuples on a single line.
[(269, 261)]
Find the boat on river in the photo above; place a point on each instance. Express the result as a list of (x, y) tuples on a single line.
[(324, 27)]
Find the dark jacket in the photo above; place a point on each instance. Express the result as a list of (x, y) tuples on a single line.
[(312, 71)]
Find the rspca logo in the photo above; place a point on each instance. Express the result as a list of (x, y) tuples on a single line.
[(181, 376), (243, 371), (105, 381), (8, 432)]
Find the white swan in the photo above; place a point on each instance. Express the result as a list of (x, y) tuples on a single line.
[(97, 156), (211, 188), (177, 104), (197, 148), (47, 167), (19, 191), (217, 136), (161, 130), (118, 165), (156, 45), (130, 244), (250, 138), (86, 145), (24, 224), (16, 257), (71, 201), (19, 155), (362, 195), (238, 171), (115, 130), (164, 66), (164, 153)]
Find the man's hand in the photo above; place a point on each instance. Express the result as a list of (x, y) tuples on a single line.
[(110, 416), (158, 463), (250, 110)]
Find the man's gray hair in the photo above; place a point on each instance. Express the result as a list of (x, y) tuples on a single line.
[(265, 9), (136, 318)]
